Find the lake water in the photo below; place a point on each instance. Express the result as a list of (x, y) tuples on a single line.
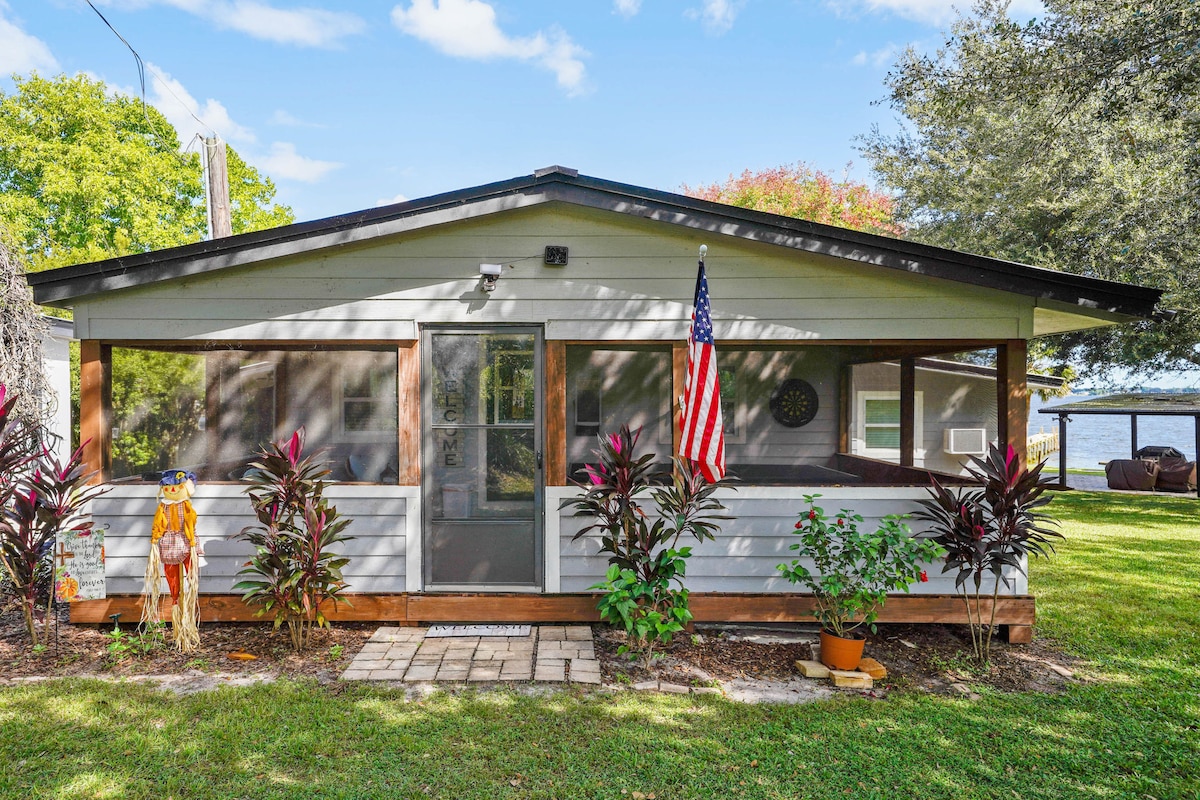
[(1092, 438)]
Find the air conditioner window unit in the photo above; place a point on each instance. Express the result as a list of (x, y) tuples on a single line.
[(965, 441)]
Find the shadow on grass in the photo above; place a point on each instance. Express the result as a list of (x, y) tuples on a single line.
[(298, 740)]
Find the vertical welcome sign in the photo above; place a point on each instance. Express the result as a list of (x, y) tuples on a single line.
[(79, 566)]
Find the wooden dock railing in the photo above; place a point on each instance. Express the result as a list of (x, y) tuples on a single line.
[(1040, 445)]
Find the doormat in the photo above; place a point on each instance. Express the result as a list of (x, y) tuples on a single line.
[(445, 631)]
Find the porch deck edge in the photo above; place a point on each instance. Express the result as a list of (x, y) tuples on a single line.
[(413, 609)]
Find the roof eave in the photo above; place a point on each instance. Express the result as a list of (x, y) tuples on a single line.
[(1091, 297)]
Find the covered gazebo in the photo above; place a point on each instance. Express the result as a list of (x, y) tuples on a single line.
[(1132, 405)]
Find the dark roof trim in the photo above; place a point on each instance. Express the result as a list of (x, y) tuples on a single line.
[(62, 328), (964, 368), (1150, 404), (1091, 296)]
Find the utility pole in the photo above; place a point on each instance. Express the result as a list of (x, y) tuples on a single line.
[(218, 187)]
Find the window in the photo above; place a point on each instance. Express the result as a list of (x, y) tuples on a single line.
[(611, 385), (368, 401), (209, 411), (879, 425)]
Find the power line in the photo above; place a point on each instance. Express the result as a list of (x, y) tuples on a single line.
[(142, 66)]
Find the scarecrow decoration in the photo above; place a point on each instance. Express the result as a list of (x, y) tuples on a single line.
[(173, 552)]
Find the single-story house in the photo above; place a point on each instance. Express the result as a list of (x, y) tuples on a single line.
[(457, 355)]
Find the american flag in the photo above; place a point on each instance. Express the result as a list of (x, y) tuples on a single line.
[(702, 431)]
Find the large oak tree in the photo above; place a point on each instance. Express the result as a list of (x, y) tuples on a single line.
[(1069, 142)]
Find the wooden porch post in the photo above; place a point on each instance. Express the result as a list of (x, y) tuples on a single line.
[(678, 385), (908, 411), (844, 390), (95, 406), (556, 413), (408, 402), (1012, 406)]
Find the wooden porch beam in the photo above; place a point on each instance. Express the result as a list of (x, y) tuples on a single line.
[(1018, 611), (556, 413), (845, 390), (678, 385), (95, 406), (408, 400), (1012, 397), (908, 411)]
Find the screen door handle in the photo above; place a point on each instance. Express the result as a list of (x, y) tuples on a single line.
[(539, 459)]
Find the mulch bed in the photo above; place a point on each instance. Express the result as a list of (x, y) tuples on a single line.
[(931, 658), (93, 650), (928, 658)]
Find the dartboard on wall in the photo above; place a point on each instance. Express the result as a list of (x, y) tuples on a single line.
[(794, 403)]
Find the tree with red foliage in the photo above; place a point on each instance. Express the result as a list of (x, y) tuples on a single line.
[(801, 191)]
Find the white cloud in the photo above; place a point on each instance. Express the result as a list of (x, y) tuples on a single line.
[(930, 12), (716, 15), (387, 201), (468, 29), (21, 52), (177, 104), (283, 162), (282, 117), (306, 27), (880, 58), (627, 8), (310, 27), (181, 109)]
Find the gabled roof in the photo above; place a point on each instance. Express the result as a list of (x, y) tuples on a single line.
[(1088, 296)]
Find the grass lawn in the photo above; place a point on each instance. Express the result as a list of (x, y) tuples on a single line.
[(1123, 593)]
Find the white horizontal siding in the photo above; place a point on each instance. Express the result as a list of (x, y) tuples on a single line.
[(744, 555), (379, 517), (625, 279)]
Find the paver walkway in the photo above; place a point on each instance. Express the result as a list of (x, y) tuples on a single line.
[(557, 653)]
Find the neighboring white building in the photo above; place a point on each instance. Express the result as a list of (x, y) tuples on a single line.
[(56, 352)]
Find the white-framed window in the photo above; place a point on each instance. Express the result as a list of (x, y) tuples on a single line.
[(878, 425), (366, 395)]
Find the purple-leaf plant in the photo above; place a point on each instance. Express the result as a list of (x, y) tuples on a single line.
[(293, 569), (39, 497), (990, 530)]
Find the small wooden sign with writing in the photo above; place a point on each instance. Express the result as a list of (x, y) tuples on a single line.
[(79, 566)]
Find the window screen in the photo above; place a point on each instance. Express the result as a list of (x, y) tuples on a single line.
[(211, 411)]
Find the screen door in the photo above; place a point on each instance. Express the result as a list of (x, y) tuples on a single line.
[(483, 467)]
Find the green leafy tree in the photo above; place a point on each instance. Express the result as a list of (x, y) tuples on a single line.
[(154, 394), (800, 191), (1069, 142), (86, 174)]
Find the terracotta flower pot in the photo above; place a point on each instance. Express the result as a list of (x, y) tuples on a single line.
[(839, 653)]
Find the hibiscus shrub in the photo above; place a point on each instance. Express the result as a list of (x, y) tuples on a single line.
[(854, 570)]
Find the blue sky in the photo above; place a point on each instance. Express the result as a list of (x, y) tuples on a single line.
[(349, 105)]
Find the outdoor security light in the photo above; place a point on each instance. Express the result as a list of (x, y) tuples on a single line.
[(490, 273)]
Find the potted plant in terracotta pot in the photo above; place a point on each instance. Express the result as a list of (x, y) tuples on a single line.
[(853, 573)]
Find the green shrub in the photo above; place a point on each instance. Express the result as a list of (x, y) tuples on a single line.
[(293, 569)]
